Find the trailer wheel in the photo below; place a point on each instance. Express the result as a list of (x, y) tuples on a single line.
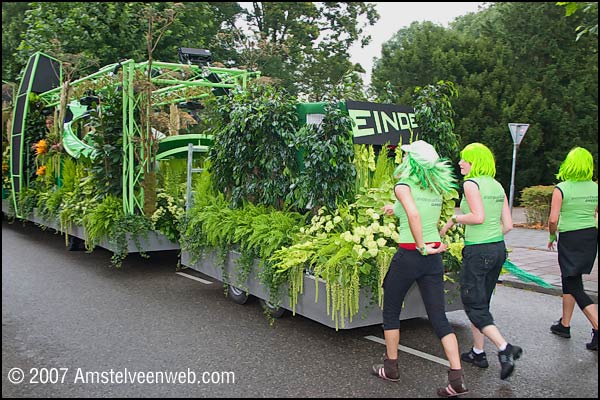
[(274, 311), (238, 296)]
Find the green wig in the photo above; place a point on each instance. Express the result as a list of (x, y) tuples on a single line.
[(481, 159), (438, 177), (578, 166)]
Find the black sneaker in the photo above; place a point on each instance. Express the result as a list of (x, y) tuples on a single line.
[(471, 357), (593, 345), (507, 360), (561, 330)]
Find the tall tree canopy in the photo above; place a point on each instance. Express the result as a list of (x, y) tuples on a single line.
[(304, 45), (512, 62)]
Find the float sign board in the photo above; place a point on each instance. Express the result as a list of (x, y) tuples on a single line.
[(382, 123)]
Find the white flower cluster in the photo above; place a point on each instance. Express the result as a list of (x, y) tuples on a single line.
[(322, 223), (370, 239), (170, 209)]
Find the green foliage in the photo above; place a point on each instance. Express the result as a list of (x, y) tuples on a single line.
[(79, 197), (304, 39), (350, 248), (106, 170), (251, 158), (128, 227), (536, 74), (434, 115), (36, 130), (285, 40), (328, 174), (13, 26), (591, 11), (88, 29), (537, 201), (373, 171), (364, 163), (99, 222), (27, 201), (168, 215), (454, 238)]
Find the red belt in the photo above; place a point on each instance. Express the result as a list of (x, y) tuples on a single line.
[(413, 246)]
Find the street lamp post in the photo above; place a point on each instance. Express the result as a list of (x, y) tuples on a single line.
[(517, 131)]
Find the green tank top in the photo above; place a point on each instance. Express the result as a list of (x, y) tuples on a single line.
[(580, 200), (492, 195), (429, 205)]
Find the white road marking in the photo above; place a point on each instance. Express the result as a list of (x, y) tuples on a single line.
[(412, 351), (195, 278)]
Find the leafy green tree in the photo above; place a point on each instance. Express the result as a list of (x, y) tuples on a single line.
[(103, 33), (590, 8), (13, 15), (435, 116), (511, 62), (305, 44)]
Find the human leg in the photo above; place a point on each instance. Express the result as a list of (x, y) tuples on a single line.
[(431, 286), (481, 268), (574, 293), (456, 380), (591, 312), (568, 305), (478, 338), (395, 284), (476, 355), (392, 340)]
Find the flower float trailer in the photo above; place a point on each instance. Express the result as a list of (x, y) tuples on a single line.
[(330, 270)]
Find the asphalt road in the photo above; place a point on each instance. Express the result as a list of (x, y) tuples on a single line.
[(70, 318)]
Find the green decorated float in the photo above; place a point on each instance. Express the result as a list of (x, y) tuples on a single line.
[(276, 198)]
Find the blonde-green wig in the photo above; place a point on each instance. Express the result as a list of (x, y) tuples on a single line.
[(481, 159), (578, 166), (437, 176)]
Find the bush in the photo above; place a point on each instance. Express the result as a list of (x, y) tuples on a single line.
[(536, 200)]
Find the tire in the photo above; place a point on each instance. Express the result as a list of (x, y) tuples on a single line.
[(275, 312), (238, 296)]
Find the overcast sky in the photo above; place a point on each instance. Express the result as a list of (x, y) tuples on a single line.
[(397, 15)]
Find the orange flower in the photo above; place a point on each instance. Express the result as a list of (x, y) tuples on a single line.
[(41, 147), (41, 171)]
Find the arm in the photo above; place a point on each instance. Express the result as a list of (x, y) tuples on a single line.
[(404, 195), (476, 216), (388, 209), (554, 215), (506, 218)]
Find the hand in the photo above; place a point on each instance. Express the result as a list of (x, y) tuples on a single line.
[(448, 225), (436, 250), (388, 209), (551, 241)]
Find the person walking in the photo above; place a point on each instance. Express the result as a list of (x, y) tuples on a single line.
[(487, 219), (423, 178), (574, 213)]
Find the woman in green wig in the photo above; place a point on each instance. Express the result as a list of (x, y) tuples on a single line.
[(574, 213), (422, 180), (487, 218)]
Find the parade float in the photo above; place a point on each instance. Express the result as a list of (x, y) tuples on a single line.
[(278, 199)]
